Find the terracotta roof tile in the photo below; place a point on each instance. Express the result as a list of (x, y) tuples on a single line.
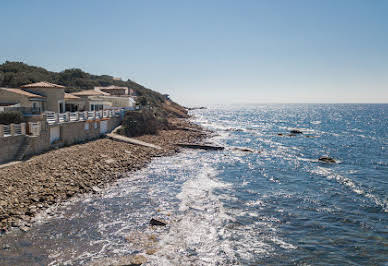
[(69, 96), (111, 87), (22, 92), (88, 93), (42, 84)]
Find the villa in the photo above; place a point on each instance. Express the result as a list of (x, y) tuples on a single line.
[(44, 96)]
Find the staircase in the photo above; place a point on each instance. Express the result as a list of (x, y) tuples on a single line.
[(23, 148)]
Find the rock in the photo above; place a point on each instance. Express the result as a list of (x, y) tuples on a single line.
[(244, 149), (326, 159), (151, 251), (296, 131), (157, 222), (109, 161), (138, 260), (6, 246), (199, 146), (96, 189), (24, 228)]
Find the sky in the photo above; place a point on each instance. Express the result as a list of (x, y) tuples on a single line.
[(211, 52)]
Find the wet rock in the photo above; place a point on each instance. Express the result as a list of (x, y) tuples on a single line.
[(243, 149), (138, 260), (296, 131), (127, 260), (157, 222), (326, 159)]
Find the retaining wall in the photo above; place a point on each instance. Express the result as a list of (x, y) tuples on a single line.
[(69, 133)]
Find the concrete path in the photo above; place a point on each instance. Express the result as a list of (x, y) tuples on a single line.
[(132, 141), (9, 164)]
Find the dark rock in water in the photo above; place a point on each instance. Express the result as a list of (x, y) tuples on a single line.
[(157, 222), (325, 159), (291, 135), (234, 129), (295, 131), (244, 149), (199, 146), (280, 134)]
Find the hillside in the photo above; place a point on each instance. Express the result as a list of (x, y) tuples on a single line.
[(15, 74)]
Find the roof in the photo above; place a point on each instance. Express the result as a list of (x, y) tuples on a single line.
[(43, 84), (111, 87), (88, 93), (24, 93), (8, 104), (69, 96)]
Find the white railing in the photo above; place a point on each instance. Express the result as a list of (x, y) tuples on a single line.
[(82, 116), (51, 117), (62, 118), (12, 130), (55, 118), (7, 131), (17, 129), (74, 116)]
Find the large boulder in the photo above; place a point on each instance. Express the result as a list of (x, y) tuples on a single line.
[(157, 222), (326, 159), (296, 131)]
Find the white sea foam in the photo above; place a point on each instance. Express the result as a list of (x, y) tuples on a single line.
[(331, 175), (199, 226)]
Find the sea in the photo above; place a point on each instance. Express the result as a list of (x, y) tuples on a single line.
[(264, 200)]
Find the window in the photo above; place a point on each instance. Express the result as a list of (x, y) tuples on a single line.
[(86, 126)]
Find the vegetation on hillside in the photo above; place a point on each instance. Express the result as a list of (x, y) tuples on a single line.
[(155, 107), (142, 122), (16, 74)]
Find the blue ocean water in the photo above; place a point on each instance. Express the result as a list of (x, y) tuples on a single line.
[(277, 205)]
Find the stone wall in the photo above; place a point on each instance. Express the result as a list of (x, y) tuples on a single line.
[(70, 133), (9, 147)]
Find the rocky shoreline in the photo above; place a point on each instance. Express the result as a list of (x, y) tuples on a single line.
[(53, 177)]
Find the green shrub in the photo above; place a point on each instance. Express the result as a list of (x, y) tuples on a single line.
[(11, 117), (137, 123)]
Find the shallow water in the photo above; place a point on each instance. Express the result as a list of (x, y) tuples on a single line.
[(279, 206)]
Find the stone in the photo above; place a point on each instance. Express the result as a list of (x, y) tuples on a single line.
[(96, 189), (244, 149), (24, 228), (157, 222), (296, 131), (326, 159), (138, 260)]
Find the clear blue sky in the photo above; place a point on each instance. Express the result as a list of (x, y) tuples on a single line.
[(212, 51)]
